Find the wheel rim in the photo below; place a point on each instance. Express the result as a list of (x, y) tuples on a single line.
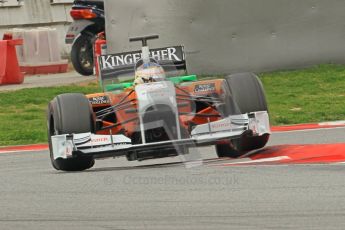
[(86, 55)]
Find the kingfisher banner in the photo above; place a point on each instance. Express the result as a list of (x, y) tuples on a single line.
[(170, 58)]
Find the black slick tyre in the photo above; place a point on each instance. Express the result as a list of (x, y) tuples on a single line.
[(246, 94), (67, 114)]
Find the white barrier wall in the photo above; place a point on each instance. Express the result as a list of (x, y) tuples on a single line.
[(234, 35), (41, 46), (37, 13)]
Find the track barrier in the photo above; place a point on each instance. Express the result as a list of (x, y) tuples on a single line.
[(40, 53), (10, 72)]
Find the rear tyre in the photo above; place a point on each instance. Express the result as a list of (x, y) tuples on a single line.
[(246, 94), (82, 55), (67, 114)]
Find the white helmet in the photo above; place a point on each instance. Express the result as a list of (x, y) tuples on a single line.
[(150, 72)]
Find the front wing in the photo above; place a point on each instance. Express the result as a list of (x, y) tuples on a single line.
[(102, 146)]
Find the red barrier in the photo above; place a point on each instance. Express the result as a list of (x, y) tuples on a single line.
[(8, 36), (44, 69), (9, 68)]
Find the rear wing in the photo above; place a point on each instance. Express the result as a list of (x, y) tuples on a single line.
[(171, 58)]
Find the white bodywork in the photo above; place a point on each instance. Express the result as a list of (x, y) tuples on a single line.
[(230, 127), (64, 145), (75, 29), (156, 94)]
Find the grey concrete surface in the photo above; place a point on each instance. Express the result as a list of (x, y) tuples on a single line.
[(48, 81), (161, 194), (227, 36)]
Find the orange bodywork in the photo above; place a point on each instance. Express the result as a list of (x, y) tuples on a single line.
[(126, 121)]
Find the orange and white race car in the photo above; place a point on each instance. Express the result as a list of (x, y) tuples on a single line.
[(150, 108)]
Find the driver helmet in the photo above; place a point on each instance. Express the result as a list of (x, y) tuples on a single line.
[(151, 72)]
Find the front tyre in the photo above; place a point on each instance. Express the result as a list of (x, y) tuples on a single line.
[(82, 55), (246, 94), (67, 114)]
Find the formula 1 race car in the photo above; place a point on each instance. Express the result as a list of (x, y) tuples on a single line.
[(150, 108)]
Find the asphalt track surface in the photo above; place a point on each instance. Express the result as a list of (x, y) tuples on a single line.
[(161, 194)]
